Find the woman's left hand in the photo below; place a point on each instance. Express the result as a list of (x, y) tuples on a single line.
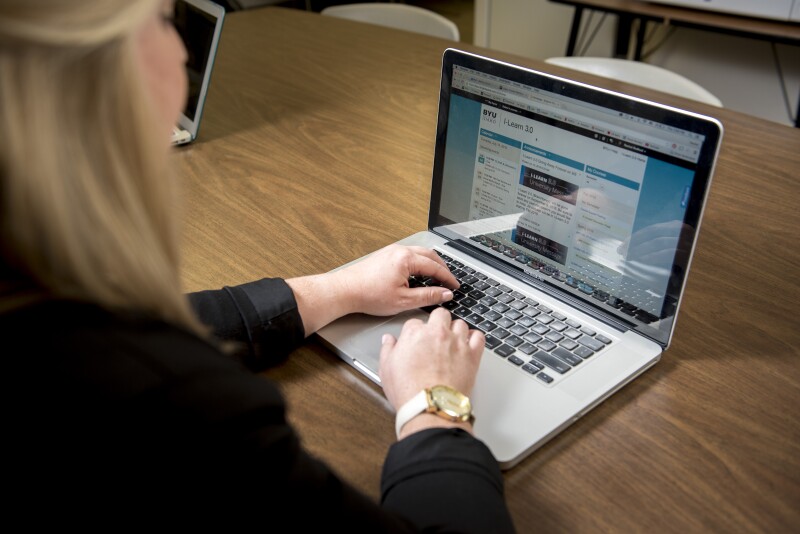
[(378, 285)]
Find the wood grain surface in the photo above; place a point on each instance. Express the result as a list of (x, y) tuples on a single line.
[(316, 147)]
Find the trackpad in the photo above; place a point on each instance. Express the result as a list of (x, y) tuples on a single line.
[(366, 345)]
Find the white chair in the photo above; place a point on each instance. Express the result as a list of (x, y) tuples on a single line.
[(636, 72), (399, 16)]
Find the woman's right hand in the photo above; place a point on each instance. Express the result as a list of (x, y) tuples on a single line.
[(441, 351)]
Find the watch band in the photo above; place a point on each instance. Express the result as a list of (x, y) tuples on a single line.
[(408, 411)]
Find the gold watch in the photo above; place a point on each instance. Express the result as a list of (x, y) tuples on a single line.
[(443, 401)]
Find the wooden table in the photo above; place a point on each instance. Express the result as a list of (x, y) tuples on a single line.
[(628, 11), (317, 146)]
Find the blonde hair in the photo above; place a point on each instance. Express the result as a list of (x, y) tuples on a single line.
[(86, 201)]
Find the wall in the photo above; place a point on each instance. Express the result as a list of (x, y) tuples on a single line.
[(741, 72)]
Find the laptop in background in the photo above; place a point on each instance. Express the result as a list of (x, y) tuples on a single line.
[(199, 23), (569, 213)]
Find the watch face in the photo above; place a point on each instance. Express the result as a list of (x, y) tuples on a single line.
[(450, 401)]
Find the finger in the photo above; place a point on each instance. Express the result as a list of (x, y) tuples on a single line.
[(476, 341), (388, 342), (428, 253), (460, 328), (440, 317), (419, 297), (423, 265)]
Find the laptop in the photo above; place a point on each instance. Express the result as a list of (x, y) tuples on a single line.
[(199, 23), (569, 213)]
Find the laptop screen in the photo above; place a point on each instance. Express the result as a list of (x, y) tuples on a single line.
[(587, 193), (198, 22)]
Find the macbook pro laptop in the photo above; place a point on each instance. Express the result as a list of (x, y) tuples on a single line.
[(199, 23), (569, 213)]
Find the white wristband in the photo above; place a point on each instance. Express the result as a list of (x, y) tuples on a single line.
[(413, 407)]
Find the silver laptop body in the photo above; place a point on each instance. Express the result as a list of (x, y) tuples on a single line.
[(567, 208), (199, 23)]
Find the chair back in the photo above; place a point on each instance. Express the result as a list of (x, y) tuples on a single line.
[(399, 16), (639, 73)]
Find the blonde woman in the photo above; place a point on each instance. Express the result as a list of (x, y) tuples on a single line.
[(121, 399)]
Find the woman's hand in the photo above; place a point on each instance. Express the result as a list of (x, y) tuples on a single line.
[(377, 285), (441, 351)]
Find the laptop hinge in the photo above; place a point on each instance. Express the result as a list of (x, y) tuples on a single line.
[(518, 272)]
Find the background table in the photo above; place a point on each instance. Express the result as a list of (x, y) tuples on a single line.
[(317, 146), (628, 11)]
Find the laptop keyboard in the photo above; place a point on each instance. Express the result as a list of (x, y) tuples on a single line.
[(537, 339)]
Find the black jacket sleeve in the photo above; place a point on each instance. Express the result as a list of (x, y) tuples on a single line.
[(261, 316), (445, 477)]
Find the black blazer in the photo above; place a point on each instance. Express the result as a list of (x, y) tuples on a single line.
[(119, 417)]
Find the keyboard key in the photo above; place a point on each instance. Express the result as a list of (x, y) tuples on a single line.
[(540, 329), (476, 294), (573, 323), (513, 315), (500, 307), (480, 308), (555, 337), (531, 311), (583, 352), (487, 326), (544, 319), (532, 338), (504, 351), (530, 302), (468, 302), (515, 360), (544, 377), (492, 292), (558, 316), (588, 331), (492, 342), (474, 318), (504, 288), (502, 333), (517, 295), (572, 333), (547, 345), (514, 341), (604, 339), (462, 311), (518, 330), (558, 326), (526, 322), (488, 301), (527, 348), (492, 315), (552, 362), (567, 356), (505, 322), (591, 342), (532, 369), (569, 344)]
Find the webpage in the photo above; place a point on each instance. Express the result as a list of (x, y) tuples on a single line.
[(575, 192)]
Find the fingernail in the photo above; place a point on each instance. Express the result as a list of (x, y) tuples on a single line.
[(385, 339), (447, 295)]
